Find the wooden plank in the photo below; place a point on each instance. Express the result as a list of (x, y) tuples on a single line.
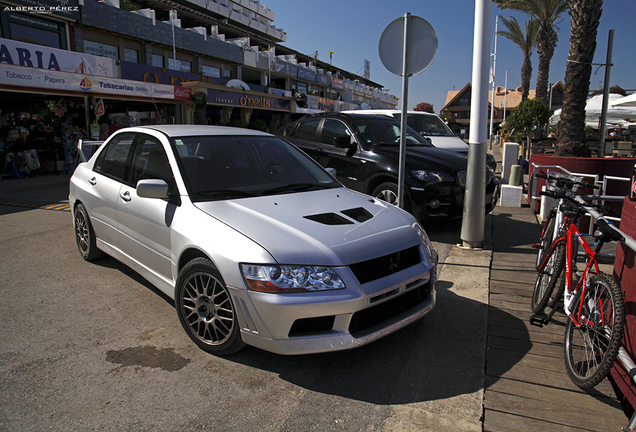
[(510, 297), (508, 305), (568, 413), (551, 336), (500, 361), (513, 275), (523, 346), (495, 421)]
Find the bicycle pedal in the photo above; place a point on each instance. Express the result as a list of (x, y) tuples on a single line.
[(539, 320), (536, 245)]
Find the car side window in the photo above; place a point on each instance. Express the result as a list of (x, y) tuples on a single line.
[(112, 160), (149, 161), (289, 130), (306, 130), (334, 131)]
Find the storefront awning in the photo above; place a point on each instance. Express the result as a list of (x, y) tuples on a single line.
[(43, 80)]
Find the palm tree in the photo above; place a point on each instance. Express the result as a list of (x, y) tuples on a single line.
[(585, 16), (527, 44), (548, 14)]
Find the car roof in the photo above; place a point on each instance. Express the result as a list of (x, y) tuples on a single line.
[(349, 115), (387, 112), (196, 130)]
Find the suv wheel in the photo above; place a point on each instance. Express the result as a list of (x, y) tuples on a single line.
[(387, 192)]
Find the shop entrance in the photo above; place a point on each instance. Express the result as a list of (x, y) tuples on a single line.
[(38, 133)]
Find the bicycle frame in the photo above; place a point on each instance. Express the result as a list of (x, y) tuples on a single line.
[(570, 296)]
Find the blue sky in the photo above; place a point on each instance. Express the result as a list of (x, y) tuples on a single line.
[(352, 30)]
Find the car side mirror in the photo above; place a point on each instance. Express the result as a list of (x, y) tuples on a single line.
[(343, 142), (331, 171), (153, 188)]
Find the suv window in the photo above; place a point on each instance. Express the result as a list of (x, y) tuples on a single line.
[(332, 130), (112, 161), (306, 130)]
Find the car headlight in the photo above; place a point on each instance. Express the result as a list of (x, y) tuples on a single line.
[(431, 253), (429, 176), (282, 279)]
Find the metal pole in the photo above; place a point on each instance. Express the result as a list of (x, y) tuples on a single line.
[(405, 94), (602, 130), (494, 87), (505, 97), (474, 216)]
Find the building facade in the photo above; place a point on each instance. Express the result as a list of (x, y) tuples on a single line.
[(457, 107), (69, 67)]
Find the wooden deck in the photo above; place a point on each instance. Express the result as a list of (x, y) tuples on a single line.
[(527, 387)]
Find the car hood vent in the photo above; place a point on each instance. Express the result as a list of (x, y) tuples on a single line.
[(358, 214), (329, 219)]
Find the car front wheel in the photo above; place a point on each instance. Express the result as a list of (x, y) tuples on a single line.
[(387, 192), (206, 310)]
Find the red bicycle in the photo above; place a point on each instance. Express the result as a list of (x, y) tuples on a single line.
[(592, 300)]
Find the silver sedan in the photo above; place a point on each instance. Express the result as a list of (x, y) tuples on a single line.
[(254, 241)]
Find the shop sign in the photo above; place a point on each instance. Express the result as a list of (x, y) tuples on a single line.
[(200, 98), (65, 81), (153, 74), (42, 57), (337, 83), (284, 67), (218, 97), (101, 50), (182, 93), (306, 74), (325, 104)]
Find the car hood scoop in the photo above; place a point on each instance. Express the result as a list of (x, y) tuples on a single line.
[(328, 227), (358, 214)]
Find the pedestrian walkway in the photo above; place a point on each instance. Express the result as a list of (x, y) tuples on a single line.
[(527, 386)]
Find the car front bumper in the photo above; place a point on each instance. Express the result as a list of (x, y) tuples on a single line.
[(335, 320), (435, 202)]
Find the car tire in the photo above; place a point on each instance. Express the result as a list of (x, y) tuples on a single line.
[(85, 235), (387, 192), (206, 309)]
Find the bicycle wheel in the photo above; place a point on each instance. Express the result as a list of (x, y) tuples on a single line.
[(547, 279), (591, 349), (546, 240)]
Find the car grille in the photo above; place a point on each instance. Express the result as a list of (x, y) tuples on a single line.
[(463, 174), (367, 318), (376, 268)]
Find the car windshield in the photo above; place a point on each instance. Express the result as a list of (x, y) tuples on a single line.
[(386, 131), (427, 125), (228, 167)]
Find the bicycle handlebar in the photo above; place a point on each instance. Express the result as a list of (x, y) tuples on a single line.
[(562, 191), (567, 183)]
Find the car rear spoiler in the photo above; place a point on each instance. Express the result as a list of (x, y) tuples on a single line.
[(87, 148)]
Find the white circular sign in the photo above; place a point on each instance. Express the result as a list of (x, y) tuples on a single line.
[(421, 48)]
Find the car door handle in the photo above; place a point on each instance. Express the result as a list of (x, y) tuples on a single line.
[(125, 196), (92, 181)]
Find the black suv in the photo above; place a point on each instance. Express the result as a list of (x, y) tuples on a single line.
[(364, 151)]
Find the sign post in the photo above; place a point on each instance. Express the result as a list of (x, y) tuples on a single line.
[(418, 42)]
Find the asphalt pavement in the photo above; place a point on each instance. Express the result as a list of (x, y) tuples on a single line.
[(438, 383)]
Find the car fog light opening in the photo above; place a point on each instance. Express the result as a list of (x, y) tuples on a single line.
[(290, 278)]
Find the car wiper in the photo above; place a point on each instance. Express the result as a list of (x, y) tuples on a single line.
[(296, 187), (229, 193)]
